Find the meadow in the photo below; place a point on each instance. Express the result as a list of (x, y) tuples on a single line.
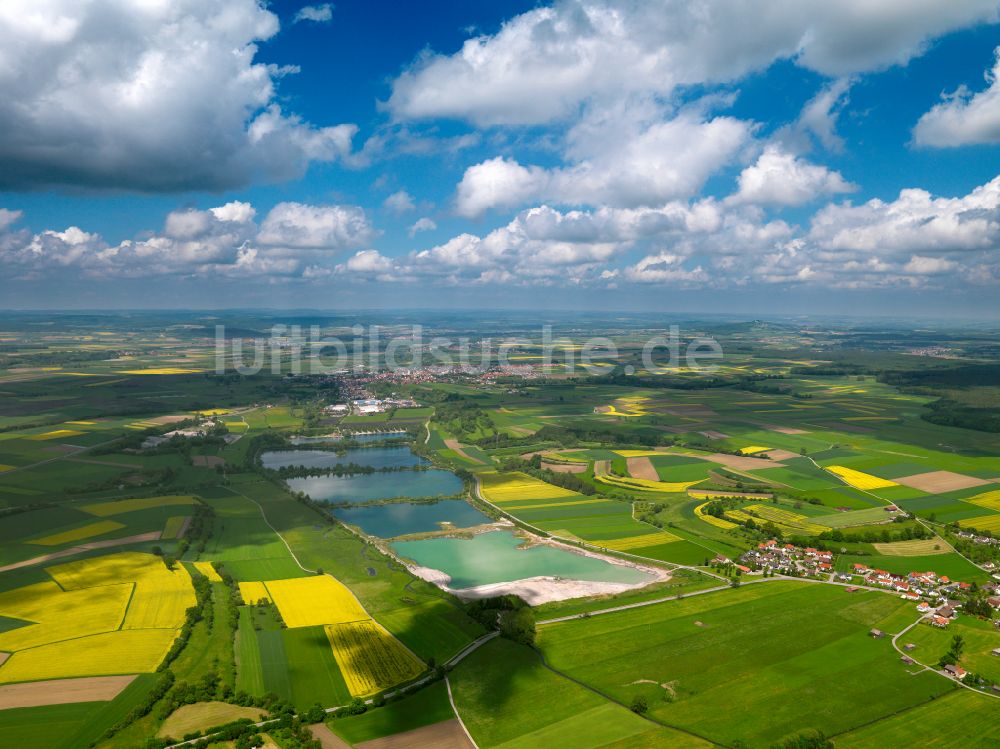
[(507, 698), (720, 664)]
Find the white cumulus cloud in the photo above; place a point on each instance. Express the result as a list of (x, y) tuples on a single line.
[(152, 96), (781, 178), (964, 118), (541, 65)]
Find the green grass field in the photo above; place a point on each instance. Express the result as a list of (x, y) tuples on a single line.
[(960, 720), (980, 640), (425, 707), (249, 670), (313, 675), (507, 698), (768, 653)]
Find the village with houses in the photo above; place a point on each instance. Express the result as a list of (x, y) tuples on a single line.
[(938, 599)]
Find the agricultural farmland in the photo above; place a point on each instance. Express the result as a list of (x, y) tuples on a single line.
[(119, 562), (370, 658)]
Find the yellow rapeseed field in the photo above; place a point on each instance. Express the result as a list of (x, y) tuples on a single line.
[(740, 516), (512, 487), (161, 596), (55, 435), (252, 592), (786, 519), (209, 571), (105, 509), (638, 453), (637, 542), (160, 371), (751, 449), (173, 527), (700, 513), (990, 500), (370, 658), (860, 480), (320, 599), (59, 614), (989, 523), (645, 485), (78, 534), (632, 411), (124, 652), (547, 505)]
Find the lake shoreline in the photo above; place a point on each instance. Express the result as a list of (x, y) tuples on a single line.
[(542, 588)]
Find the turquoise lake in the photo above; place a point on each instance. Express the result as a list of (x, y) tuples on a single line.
[(495, 558), (400, 518), (361, 488), (374, 457)]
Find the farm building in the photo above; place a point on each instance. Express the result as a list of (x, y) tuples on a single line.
[(957, 671), (878, 634)]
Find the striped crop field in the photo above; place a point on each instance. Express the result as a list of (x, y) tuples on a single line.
[(700, 513), (511, 487), (638, 542), (78, 534), (105, 509), (370, 658), (645, 485)]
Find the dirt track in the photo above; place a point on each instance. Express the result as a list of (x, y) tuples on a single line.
[(151, 536)]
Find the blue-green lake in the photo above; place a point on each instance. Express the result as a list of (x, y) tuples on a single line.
[(401, 518), (495, 557), (374, 457), (361, 488)]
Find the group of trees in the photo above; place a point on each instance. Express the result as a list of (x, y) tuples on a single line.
[(873, 535), (509, 614), (954, 654), (533, 467)]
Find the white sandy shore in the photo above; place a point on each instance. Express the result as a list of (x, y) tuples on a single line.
[(545, 589)]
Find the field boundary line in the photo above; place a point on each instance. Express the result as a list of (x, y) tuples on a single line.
[(458, 717)]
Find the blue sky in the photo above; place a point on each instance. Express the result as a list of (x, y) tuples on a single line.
[(759, 157)]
